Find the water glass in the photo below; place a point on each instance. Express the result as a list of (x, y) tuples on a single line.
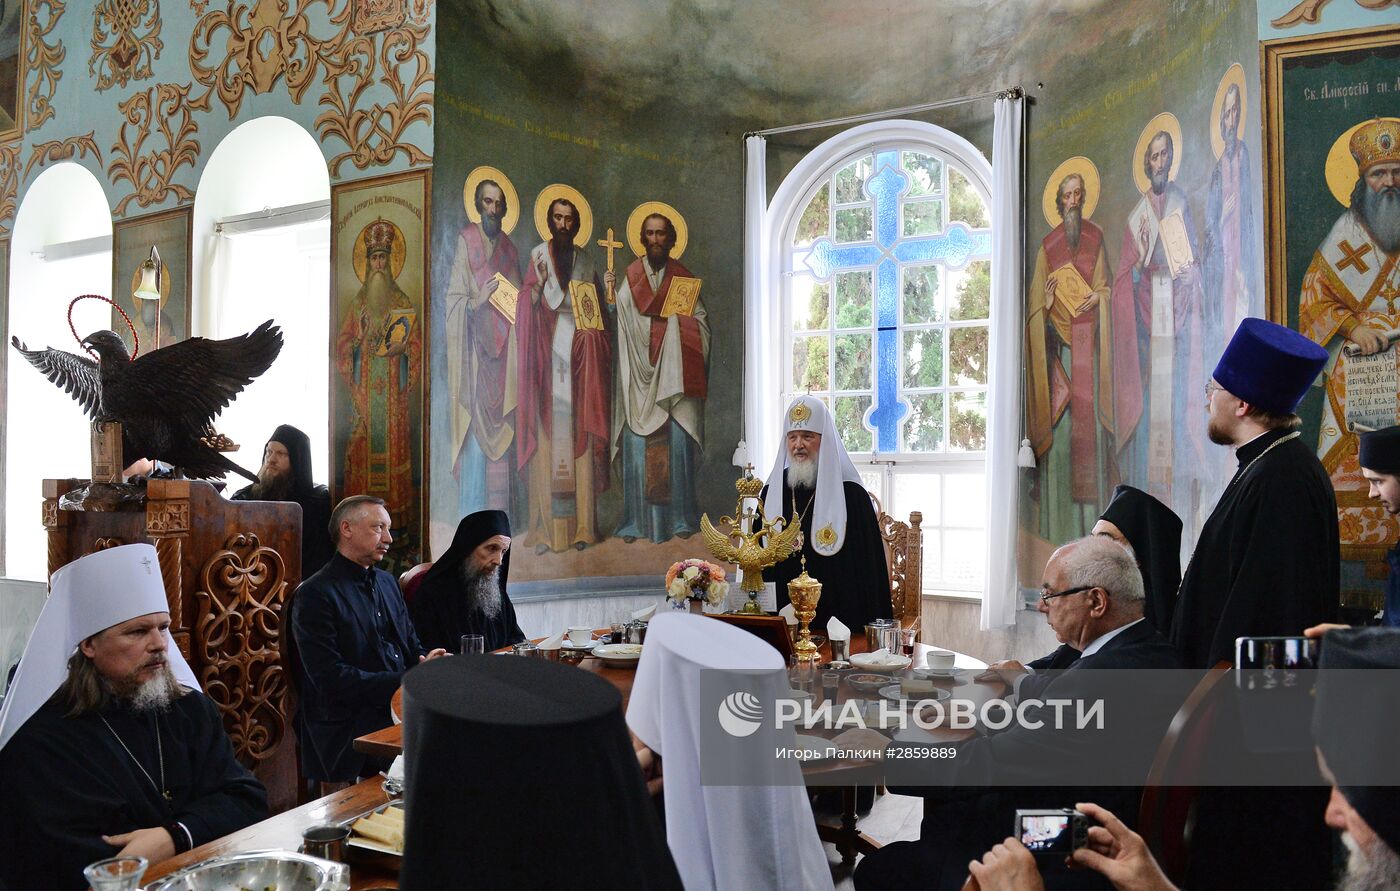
[(831, 682), (892, 639), (116, 873), (802, 674), (841, 651), (473, 643)]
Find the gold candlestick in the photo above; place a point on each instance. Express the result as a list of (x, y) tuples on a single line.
[(804, 592)]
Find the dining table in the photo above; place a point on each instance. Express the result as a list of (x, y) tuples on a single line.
[(824, 773), (284, 831)]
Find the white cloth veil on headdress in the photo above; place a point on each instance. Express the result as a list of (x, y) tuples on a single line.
[(89, 595), (834, 469)]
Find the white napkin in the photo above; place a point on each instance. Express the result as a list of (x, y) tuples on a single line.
[(789, 613), (883, 656), (645, 613), (395, 771), (837, 630), (552, 643)]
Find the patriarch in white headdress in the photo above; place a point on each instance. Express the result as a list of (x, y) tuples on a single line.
[(827, 465)]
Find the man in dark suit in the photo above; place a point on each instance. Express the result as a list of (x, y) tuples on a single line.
[(1093, 599), (354, 641)]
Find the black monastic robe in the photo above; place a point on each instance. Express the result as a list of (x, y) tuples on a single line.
[(441, 614), (1268, 559), (67, 782), (855, 580), (443, 610)]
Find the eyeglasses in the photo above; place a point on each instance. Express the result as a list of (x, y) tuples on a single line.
[(1046, 596), (1211, 387)]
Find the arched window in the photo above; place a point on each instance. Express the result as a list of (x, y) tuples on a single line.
[(262, 239), (883, 243), (62, 247)]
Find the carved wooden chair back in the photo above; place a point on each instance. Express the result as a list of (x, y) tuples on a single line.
[(904, 555)]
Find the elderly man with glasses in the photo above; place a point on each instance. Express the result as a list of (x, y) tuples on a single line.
[(1092, 596)]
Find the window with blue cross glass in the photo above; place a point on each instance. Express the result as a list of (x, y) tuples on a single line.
[(888, 286)]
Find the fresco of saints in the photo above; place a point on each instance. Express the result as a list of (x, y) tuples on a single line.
[(378, 354), (481, 364), (563, 413), (1159, 274), (1230, 237), (1350, 304), (663, 353), (1071, 357)]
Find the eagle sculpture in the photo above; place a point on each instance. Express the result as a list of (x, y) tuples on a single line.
[(165, 400), (751, 556)]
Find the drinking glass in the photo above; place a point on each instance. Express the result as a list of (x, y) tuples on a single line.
[(473, 643), (891, 639), (906, 641), (831, 682), (116, 873), (618, 633)]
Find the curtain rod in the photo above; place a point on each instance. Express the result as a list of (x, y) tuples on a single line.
[(889, 112)]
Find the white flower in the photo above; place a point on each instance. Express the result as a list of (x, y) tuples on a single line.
[(678, 591), (690, 573), (717, 592)]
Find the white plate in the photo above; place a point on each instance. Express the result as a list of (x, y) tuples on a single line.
[(818, 749), (895, 693), (796, 694), (570, 645), (621, 655), (943, 674), (862, 661)]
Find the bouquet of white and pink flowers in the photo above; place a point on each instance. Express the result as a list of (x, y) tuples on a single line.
[(695, 580)]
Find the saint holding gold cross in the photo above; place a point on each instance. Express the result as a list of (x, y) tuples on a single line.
[(663, 352)]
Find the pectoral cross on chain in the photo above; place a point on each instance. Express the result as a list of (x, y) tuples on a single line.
[(609, 244)]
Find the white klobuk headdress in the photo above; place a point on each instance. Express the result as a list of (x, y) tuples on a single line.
[(834, 469), (89, 595)]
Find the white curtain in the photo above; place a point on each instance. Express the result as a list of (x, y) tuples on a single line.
[(760, 371), (1003, 596)]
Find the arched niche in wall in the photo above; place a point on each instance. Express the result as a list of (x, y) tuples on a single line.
[(261, 250), (61, 248)]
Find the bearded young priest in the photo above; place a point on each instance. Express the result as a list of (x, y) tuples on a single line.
[(814, 482), (465, 591), (106, 746)]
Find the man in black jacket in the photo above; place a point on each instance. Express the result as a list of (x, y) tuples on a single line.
[(1093, 599), (285, 475), (354, 641)]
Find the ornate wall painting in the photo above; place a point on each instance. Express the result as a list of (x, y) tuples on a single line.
[(170, 232), (43, 54), (479, 340), (1070, 355), (125, 41), (379, 336), (1332, 146), (164, 109)]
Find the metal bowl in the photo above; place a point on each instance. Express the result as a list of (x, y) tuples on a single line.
[(259, 871)]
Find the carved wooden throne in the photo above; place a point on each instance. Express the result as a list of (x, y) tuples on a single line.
[(228, 567)]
